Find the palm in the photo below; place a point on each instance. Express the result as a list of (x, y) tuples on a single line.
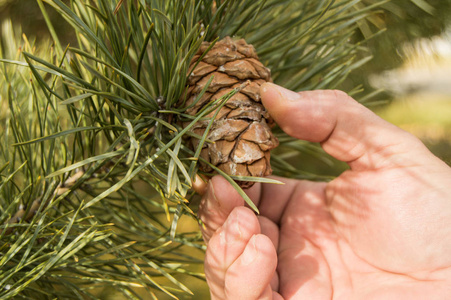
[(339, 249)]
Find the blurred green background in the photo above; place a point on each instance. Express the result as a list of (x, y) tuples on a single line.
[(412, 64)]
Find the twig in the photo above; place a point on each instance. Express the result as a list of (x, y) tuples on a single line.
[(22, 214)]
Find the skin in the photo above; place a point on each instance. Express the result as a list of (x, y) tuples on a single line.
[(381, 230)]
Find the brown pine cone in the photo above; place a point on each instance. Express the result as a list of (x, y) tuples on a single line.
[(241, 135)]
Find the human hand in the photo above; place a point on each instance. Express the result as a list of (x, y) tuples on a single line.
[(381, 230)]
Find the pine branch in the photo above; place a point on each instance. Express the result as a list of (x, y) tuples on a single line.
[(30, 142)]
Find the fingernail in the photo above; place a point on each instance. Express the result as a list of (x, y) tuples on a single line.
[(287, 94), (199, 185), (266, 86), (284, 93), (250, 253)]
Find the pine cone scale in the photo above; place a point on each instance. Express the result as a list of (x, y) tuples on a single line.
[(201, 70), (240, 69), (246, 153), (257, 133), (227, 129), (220, 80)]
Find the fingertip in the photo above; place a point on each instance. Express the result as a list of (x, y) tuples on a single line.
[(261, 256), (245, 222), (272, 92), (285, 107), (265, 87), (241, 225), (276, 99), (251, 274), (270, 96)]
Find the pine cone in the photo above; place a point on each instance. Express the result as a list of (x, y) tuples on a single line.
[(241, 135)]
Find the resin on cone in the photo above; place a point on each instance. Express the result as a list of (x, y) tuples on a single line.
[(240, 132)]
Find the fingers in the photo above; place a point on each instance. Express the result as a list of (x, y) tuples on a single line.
[(347, 130), (240, 262), (226, 245), (233, 235), (217, 203), (250, 275)]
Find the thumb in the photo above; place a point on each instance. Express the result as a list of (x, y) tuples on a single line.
[(346, 129)]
